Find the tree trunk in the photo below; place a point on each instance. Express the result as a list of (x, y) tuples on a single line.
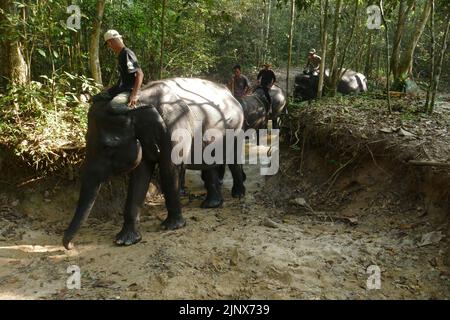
[(266, 38), (405, 65), (261, 41), (439, 66), (369, 56), (94, 61), (341, 71), (18, 67), (161, 53), (324, 33), (291, 32), (14, 67), (333, 52), (388, 73), (430, 84), (403, 11)]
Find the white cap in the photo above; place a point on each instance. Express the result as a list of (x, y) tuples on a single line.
[(112, 34)]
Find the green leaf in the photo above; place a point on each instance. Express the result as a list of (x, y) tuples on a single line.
[(42, 52)]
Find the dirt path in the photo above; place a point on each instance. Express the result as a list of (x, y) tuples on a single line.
[(263, 246), (287, 239)]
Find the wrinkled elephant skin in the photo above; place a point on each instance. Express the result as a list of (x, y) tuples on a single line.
[(124, 140)]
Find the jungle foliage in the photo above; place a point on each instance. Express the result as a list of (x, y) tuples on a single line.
[(45, 61)]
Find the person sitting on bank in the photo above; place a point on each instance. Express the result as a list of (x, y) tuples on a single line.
[(313, 62), (126, 90), (266, 78), (239, 84)]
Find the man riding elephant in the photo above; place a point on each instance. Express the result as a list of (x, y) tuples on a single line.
[(313, 62), (126, 90), (266, 78)]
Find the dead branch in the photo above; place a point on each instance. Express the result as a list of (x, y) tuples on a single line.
[(428, 163)]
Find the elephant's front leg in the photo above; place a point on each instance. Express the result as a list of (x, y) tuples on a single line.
[(213, 196), (239, 177), (137, 189), (170, 178)]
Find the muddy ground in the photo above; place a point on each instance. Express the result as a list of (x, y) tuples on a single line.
[(309, 232), (287, 239)]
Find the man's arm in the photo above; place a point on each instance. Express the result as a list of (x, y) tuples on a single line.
[(258, 77), (247, 86), (274, 79), (139, 77)]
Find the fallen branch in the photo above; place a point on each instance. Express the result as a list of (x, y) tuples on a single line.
[(428, 163)]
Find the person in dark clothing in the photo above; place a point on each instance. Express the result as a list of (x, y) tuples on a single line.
[(313, 62), (266, 78), (239, 84), (126, 90)]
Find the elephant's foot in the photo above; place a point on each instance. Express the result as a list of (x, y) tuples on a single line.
[(238, 192), (212, 202), (128, 236), (173, 223), (67, 241)]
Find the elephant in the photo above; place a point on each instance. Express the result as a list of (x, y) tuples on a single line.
[(135, 140), (254, 106), (306, 85)]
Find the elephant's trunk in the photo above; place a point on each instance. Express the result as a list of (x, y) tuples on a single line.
[(88, 193)]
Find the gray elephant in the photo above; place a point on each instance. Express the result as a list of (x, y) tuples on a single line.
[(254, 106), (121, 140), (306, 84)]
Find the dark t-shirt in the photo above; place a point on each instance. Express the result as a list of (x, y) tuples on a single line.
[(240, 84), (128, 65), (266, 77)]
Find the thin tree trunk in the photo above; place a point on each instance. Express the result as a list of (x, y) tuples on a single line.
[(333, 52), (378, 63), (386, 39), (266, 38), (430, 84), (439, 66), (324, 33), (405, 65), (261, 46), (341, 70), (161, 53), (94, 61), (291, 32), (369, 56), (403, 11)]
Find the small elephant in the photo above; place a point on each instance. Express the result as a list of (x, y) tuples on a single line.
[(121, 140), (254, 107), (306, 85)]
